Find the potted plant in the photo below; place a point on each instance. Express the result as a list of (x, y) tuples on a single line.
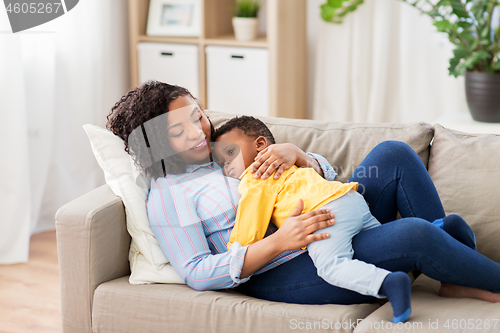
[(245, 22), (470, 26)]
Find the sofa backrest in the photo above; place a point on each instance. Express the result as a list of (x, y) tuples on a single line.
[(343, 144)]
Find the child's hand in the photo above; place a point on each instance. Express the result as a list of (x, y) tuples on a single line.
[(278, 157), (297, 230)]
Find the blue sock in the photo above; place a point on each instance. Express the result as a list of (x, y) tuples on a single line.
[(397, 288), (457, 228), (439, 223)]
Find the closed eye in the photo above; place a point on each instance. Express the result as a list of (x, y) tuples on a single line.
[(198, 114), (177, 135)]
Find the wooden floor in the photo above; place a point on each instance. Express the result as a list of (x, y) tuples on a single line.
[(29, 293)]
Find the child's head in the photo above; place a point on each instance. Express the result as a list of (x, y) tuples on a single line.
[(238, 142)]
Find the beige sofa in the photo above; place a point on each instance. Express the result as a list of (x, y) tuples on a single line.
[(93, 246)]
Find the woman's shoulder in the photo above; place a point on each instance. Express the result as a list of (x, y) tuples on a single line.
[(192, 174), (210, 167), (163, 182)]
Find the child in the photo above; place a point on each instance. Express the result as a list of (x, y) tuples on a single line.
[(237, 144)]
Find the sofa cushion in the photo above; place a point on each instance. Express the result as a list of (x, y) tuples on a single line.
[(122, 307), (431, 313), (343, 144), (464, 168)]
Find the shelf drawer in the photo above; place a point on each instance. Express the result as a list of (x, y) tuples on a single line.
[(238, 80), (170, 63)]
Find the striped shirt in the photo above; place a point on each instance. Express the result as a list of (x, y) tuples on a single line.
[(192, 216)]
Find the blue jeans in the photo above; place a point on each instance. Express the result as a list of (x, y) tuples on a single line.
[(401, 184)]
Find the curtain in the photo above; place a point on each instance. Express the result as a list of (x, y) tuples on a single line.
[(385, 63), (53, 79)]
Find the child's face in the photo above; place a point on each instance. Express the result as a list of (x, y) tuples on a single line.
[(235, 151)]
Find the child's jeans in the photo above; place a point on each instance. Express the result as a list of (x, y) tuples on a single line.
[(333, 256)]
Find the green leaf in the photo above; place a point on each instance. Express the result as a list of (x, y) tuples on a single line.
[(480, 55), (460, 52), (485, 32), (443, 25), (475, 58), (334, 14), (460, 70), (327, 12), (246, 8), (443, 3), (458, 8), (453, 66), (478, 8), (496, 65), (335, 3), (464, 24), (468, 36)]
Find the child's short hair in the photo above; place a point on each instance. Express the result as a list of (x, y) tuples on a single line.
[(251, 126)]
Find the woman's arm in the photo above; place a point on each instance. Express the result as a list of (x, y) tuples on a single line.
[(295, 233), (280, 157), (180, 234)]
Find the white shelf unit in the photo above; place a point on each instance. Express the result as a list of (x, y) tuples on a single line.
[(284, 40)]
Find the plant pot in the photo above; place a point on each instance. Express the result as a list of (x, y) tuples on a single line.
[(483, 96), (245, 28)]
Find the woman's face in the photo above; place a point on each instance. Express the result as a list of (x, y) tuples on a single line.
[(188, 130)]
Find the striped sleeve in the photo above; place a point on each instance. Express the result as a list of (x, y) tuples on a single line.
[(328, 171), (180, 234)]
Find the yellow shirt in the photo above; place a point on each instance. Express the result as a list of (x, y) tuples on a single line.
[(274, 199)]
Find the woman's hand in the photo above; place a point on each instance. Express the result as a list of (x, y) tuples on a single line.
[(277, 157), (297, 230)]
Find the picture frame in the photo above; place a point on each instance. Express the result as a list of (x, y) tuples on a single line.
[(174, 18)]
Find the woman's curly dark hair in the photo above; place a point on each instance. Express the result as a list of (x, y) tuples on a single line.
[(134, 112)]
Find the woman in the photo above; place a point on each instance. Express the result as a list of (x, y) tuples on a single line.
[(192, 207)]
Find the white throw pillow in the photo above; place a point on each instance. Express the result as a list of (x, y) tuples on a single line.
[(148, 264)]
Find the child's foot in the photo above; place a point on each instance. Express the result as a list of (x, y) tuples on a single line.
[(397, 288), (457, 228)]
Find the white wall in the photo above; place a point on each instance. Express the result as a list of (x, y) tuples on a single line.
[(313, 19)]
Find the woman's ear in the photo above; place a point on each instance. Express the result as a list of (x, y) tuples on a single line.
[(260, 143)]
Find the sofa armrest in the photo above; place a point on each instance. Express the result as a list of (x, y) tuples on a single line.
[(92, 245)]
